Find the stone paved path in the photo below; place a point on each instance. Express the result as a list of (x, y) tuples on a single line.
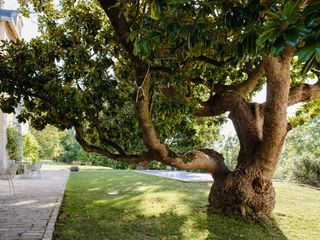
[(32, 212), (180, 175)]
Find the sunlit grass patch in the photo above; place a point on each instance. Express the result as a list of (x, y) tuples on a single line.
[(149, 207)]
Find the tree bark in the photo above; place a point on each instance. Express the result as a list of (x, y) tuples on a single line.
[(244, 192), (261, 130)]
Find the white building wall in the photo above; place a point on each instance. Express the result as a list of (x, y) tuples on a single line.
[(2, 30), (6, 119), (3, 125)]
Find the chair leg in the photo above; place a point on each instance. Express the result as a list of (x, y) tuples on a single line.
[(26, 174), (9, 186), (12, 186)]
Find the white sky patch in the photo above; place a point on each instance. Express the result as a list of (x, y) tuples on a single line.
[(30, 26)]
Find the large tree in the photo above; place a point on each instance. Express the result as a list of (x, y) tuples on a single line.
[(150, 80)]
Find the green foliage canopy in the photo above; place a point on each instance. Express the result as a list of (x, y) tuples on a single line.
[(79, 72)]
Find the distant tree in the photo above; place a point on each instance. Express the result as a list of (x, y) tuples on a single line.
[(152, 80), (49, 140), (301, 162), (309, 135), (71, 148), (30, 147)]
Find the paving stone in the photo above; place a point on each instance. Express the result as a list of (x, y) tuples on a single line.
[(32, 212)]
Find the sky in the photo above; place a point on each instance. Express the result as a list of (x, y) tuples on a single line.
[(30, 30)]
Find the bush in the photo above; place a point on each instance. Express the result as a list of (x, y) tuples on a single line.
[(154, 165), (30, 147), (132, 166), (99, 160), (13, 145), (307, 170), (71, 148)]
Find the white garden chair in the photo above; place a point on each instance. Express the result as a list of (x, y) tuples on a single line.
[(8, 174), (34, 168)]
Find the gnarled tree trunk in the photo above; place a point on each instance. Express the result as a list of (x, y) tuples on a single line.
[(261, 130), (244, 191)]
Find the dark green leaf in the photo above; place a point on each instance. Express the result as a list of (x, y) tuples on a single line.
[(272, 14), (308, 65), (278, 47), (288, 9), (317, 52), (305, 53), (270, 34), (302, 29), (312, 8), (292, 37), (155, 9)]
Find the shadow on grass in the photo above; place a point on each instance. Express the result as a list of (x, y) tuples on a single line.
[(145, 207), (222, 227)]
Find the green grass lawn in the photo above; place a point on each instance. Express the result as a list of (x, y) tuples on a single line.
[(149, 207)]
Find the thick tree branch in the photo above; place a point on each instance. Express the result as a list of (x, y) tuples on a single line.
[(303, 92), (275, 111), (219, 104), (227, 97), (253, 78), (242, 89), (150, 135), (208, 160), (103, 138), (158, 151), (96, 149)]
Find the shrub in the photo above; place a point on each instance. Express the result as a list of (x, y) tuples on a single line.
[(154, 165), (13, 146), (30, 147), (71, 148), (99, 160), (132, 166), (307, 170)]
